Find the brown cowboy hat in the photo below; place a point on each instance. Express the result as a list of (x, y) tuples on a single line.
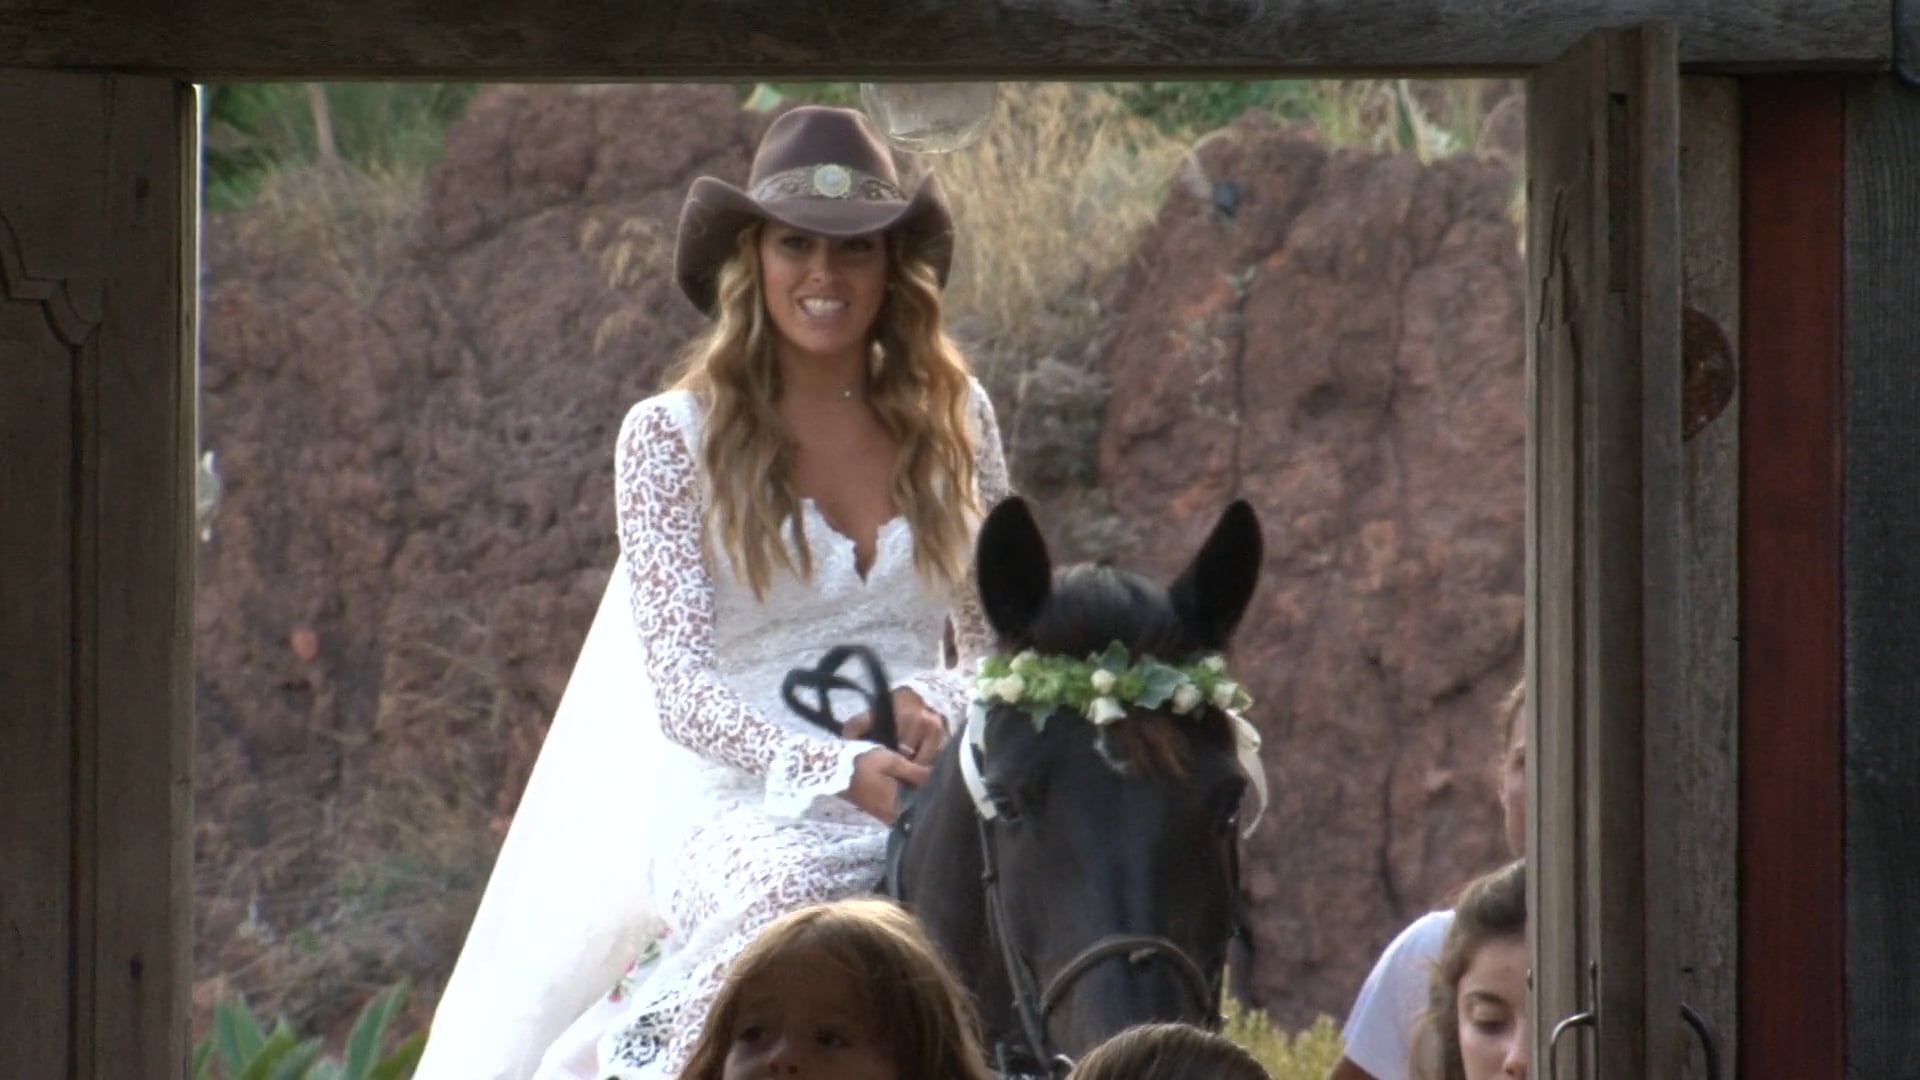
[(818, 169)]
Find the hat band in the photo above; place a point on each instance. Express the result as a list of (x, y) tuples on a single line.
[(826, 182)]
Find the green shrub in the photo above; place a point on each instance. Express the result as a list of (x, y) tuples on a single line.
[(1306, 1055), (253, 130), (239, 1048)]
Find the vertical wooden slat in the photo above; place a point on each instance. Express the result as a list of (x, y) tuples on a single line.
[(1606, 527), (1648, 632), (137, 539), (1692, 771), (1792, 932), (51, 243), (1566, 139), (1882, 531)]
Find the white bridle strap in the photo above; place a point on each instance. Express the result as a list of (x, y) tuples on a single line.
[(971, 755), (1246, 741)]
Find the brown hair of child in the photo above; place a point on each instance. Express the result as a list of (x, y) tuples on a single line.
[(1168, 1052), (916, 1004)]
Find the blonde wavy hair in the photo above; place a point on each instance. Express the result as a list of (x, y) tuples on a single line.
[(917, 384)]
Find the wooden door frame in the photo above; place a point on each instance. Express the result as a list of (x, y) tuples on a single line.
[(201, 39)]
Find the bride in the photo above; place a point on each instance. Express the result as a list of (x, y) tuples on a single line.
[(812, 477)]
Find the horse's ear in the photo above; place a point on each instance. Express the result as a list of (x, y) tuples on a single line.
[(1212, 594), (1013, 567)]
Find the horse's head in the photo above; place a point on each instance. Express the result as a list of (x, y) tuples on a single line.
[(1114, 822)]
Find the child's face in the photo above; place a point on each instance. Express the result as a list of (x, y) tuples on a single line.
[(1492, 1003), (1513, 791), (804, 1019)]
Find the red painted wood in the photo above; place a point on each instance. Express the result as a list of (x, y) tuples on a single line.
[(1792, 766)]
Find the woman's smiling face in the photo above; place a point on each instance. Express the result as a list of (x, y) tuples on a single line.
[(822, 294)]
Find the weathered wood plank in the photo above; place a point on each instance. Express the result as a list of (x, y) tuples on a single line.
[(1629, 527), (132, 809), (1692, 772), (1882, 579), (1606, 524), (1792, 1018), (36, 745), (1563, 138), (678, 39), (49, 304)]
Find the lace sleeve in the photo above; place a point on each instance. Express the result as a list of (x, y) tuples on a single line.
[(948, 691), (658, 505)]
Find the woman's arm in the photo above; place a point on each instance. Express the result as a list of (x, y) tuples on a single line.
[(660, 514)]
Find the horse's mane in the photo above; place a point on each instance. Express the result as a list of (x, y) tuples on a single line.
[(1093, 605)]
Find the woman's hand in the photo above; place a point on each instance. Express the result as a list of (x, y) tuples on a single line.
[(922, 732), (877, 776)]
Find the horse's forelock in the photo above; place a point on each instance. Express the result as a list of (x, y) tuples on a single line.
[(1093, 606)]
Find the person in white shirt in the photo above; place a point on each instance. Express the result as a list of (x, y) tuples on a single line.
[(1379, 1033)]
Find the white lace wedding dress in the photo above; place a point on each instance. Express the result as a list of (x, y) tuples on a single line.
[(677, 806)]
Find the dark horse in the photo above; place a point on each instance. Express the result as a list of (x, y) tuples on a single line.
[(1087, 881)]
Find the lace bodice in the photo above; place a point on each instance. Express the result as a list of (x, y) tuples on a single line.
[(716, 655)]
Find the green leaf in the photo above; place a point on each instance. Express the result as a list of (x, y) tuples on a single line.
[(400, 1064), (363, 1044), (282, 1043), (1116, 659), (1160, 683), (1038, 711), (237, 1034), (298, 1062), (203, 1060)]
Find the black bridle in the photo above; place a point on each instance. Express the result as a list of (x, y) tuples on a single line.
[(1033, 1003)]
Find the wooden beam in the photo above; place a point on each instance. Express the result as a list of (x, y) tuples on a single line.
[(96, 407), (1883, 580), (1792, 923), (208, 40)]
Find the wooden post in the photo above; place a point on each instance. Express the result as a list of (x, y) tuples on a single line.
[(1692, 738), (96, 399), (1882, 453), (1605, 527)]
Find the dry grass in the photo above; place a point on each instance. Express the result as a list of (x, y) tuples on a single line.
[(344, 222), (379, 880), (1051, 201)]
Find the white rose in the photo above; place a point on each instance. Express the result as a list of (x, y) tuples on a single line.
[(1105, 710), (1010, 688), (1224, 692), (1214, 664), (1024, 663), (1103, 681), (1186, 698)]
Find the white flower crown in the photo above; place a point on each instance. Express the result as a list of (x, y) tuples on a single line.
[(1102, 686)]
